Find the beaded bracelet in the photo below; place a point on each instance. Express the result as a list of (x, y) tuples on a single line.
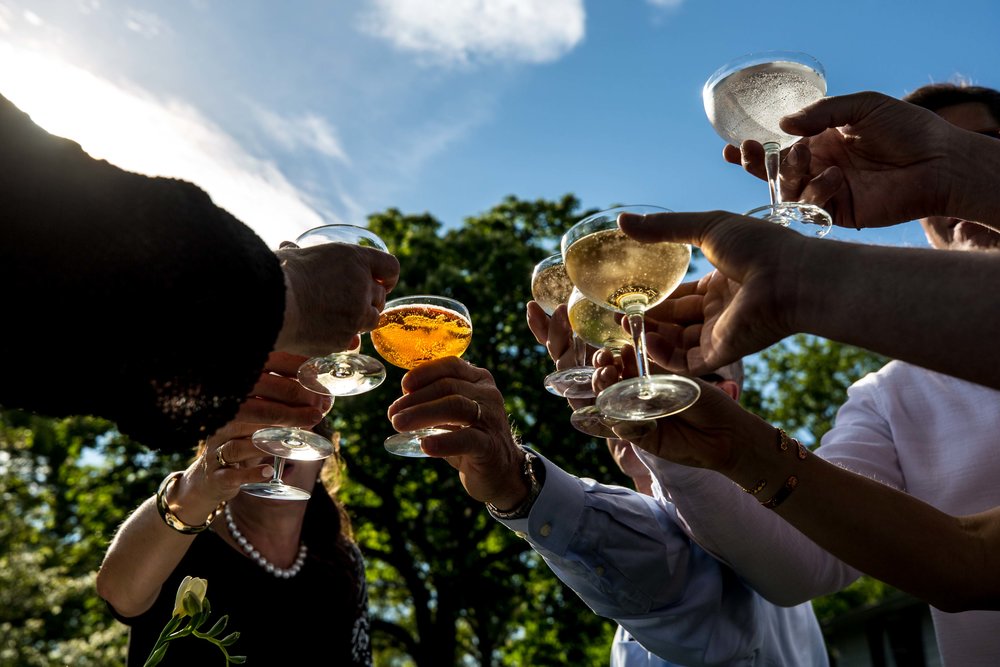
[(171, 519)]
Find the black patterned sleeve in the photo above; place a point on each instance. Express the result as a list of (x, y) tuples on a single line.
[(124, 296)]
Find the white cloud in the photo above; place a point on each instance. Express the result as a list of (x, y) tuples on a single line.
[(134, 130), (32, 18), (147, 24), (459, 31), (666, 4), (307, 131)]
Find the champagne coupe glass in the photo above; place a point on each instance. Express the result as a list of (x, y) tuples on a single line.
[(628, 276), (350, 372), (745, 99), (285, 443), (416, 329), (551, 287), (597, 326)]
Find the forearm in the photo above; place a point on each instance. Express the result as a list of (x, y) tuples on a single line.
[(972, 184), (83, 242), (772, 556), (928, 307), (627, 559), (142, 555), (952, 563)]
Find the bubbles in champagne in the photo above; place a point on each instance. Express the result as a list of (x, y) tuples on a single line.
[(748, 103), (551, 287), (611, 268), (409, 335), (595, 324)]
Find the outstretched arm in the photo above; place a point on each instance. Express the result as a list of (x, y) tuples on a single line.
[(906, 303)]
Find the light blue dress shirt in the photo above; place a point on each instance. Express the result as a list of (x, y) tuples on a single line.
[(628, 558)]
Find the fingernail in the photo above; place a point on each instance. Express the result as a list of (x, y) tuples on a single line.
[(267, 471)]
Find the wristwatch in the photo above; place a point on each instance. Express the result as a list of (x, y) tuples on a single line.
[(533, 473)]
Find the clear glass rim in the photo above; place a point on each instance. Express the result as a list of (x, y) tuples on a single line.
[(357, 231), (554, 259), (602, 220), (429, 300), (759, 58)]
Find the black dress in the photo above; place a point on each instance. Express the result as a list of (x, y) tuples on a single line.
[(319, 616), (162, 306)]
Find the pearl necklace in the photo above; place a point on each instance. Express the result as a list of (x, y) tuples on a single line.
[(283, 573)]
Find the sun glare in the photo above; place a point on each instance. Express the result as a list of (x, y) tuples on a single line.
[(137, 131)]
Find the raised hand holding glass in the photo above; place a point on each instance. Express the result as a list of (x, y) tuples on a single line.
[(627, 276), (349, 372), (416, 329), (551, 287), (745, 99)]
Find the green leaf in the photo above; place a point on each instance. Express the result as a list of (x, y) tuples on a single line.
[(219, 626), (229, 639), (237, 659), (157, 656)]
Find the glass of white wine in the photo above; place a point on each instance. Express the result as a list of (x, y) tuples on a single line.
[(745, 99), (629, 277), (550, 288), (599, 327), (413, 330)]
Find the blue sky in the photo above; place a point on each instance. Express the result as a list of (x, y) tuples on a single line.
[(291, 113)]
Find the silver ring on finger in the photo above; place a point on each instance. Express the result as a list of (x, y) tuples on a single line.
[(479, 412)]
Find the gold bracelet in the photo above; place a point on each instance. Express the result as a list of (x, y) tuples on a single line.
[(784, 441), (757, 488), (171, 519), (790, 484)]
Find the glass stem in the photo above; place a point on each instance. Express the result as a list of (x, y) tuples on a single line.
[(279, 466), (637, 326), (580, 351), (772, 159)]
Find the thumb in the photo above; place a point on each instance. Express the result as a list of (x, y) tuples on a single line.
[(833, 112), (693, 228)]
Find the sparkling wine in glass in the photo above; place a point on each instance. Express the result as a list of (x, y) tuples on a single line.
[(745, 99), (629, 277), (349, 372), (416, 329), (599, 327), (550, 288), (286, 443)]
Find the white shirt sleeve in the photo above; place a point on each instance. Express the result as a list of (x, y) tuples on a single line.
[(626, 556), (770, 554)]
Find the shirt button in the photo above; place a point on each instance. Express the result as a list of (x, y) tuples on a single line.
[(599, 570), (520, 534), (545, 530)]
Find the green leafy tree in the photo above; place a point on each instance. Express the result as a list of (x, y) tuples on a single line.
[(65, 485), (449, 584)]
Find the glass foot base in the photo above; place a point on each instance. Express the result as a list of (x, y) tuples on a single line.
[(806, 219), (571, 382), (345, 374), (649, 397), (408, 443), (275, 491), (292, 443), (589, 420)]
